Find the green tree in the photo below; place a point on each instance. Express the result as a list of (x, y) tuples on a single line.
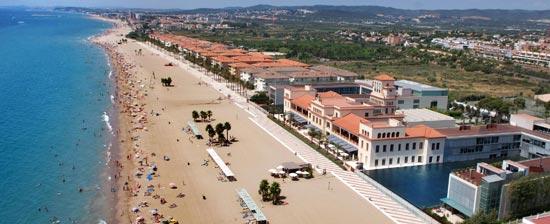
[(264, 190), (483, 218), (275, 192), (227, 127), (260, 98), (209, 129), (195, 115), (209, 114), (219, 130), (203, 115)]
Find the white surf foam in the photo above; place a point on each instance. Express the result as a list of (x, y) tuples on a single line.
[(107, 123)]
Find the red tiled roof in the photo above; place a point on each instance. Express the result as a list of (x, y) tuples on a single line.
[(303, 101), (329, 94), (384, 77), (223, 59), (291, 63), (240, 65), (350, 122), (423, 131)]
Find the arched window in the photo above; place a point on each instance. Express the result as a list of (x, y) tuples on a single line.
[(383, 135), (378, 135), (397, 135), (393, 134)]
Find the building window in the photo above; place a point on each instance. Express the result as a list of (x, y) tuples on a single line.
[(367, 114), (414, 146), (416, 106), (412, 159), (407, 146), (399, 147), (406, 159), (383, 135), (378, 135), (384, 148), (391, 148), (400, 102), (375, 162), (390, 161), (421, 145), (419, 159), (416, 101), (397, 135), (383, 162), (377, 148), (398, 158), (430, 159), (433, 146), (437, 159), (437, 146)]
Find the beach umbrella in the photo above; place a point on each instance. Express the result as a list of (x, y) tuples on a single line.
[(280, 167), (272, 171), (172, 185), (293, 175)]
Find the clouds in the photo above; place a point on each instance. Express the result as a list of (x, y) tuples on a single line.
[(189, 4)]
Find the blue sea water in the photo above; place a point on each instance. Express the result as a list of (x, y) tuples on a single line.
[(54, 91)]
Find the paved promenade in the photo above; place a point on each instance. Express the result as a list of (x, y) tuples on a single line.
[(385, 203)]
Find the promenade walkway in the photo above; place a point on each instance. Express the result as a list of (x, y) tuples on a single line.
[(387, 204)]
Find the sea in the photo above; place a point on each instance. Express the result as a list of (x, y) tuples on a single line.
[(55, 118)]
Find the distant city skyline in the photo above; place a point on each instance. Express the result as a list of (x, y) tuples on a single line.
[(402, 4)]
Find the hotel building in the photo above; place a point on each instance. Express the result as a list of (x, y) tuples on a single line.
[(377, 135)]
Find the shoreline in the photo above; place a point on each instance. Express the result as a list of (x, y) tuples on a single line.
[(115, 169), (201, 194)]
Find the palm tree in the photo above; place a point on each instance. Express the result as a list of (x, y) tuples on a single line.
[(264, 190), (227, 127), (209, 129), (209, 113), (203, 115), (275, 192), (219, 130), (211, 134), (195, 115)]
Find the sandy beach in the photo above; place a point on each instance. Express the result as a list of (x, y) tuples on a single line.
[(151, 122)]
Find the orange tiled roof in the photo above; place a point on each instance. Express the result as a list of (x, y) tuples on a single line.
[(384, 77), (223, 59), (240, 65), (303, 101), (329, 94), (292, 63), (423, 131), (350, 122)]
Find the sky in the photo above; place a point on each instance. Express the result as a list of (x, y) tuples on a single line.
[(190, 4)]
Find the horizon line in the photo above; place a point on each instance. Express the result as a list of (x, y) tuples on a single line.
[(243, 7)]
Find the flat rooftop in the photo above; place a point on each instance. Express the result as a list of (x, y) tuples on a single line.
[(416, 86), (481, 130), (470, 175), (419, 115)]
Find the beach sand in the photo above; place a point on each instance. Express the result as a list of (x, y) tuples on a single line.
[(322, 199)]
